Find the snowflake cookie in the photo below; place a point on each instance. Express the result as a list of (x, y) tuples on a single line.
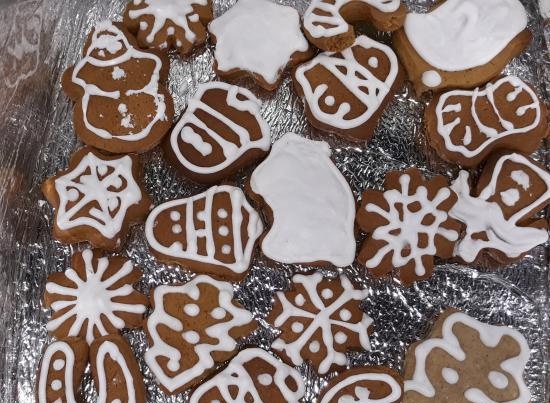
[(168, 24), (193, 327), (259, 39), (97, 198), (95, 297), (319, 320), (253, 375), (407, 225), (464, 361)]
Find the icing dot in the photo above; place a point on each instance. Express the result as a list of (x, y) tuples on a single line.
[(498, 379), (345, 314), (265, 379), (340, 337), (56, 384), (58, 364), (201, 215), (73, 195), (327, 293), (116, 401), (299, 300), (218, 313), (431, 78), (178, 43), (118, 73), (297, 327), (226, 249), (143, 25), (314, 346), (450, 375), (122, 108), (176, 228), (191, 309), (173, 365), (175, 215), (373, 62), (194, 18), (191, 337), (223, 230), (222, 213), (170, 31), (330, 100)]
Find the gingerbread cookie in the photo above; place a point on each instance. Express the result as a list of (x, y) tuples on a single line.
[(213, 232), (168, 24), (464, 360), (346, 92), (407, 225), (258, 39), (319, 321), (220, 132), (253, 375), (365, 385), (121, 103), (464, 127), (97, 198), (327, 23), (461, 43), (95, 297), (499, 214), (307, 201), (116, 373), (61, 371), (192, 328)]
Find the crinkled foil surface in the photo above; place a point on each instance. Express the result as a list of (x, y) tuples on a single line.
[(40, 38)]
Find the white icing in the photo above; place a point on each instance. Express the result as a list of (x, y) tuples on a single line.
[(265, 379), (357, 79), (510, 197), (314, 346), (340, 337), (191, 337), (313, 206), (218, 313), (521, 178), (118, 73), (373, 62), (177, 229), (498, 379), (56, 384), (450, 375), (361, 392), (299, 300), (223, 230), (108, 348), (463, 34), (191, 137), (431, 78), (191, 309), (226, 249), (222, 213), (242, 253), (58, 364), (327, 293), (175, 215), (490, 336), (68, 380), (97, 188), (297, 327), (257, 36)]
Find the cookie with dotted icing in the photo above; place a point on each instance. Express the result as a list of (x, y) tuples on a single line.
[(193, 327), (253, 375), (168, 24), (97, 198), (116, 373), (221, 132), (121, 102), (328, 23), (407, 225), (499, 212), (319, 320), (258, 39), (464, 127), (365, 385), (461, 44), (60, 371), (94, 297), (346, 92), (464, 360), (214, 232)]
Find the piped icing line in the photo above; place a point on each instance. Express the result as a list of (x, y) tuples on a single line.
[(493, 134), (108, 38), (358, 79), (459, 35), (490, 336), (69, 359), (111, 350), (392, 397), (236, 375)]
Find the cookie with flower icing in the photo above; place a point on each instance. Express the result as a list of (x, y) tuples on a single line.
[(61, 370), (320, 320), (254, 373), (97, 198), (346, 92), (464, 127), (168, 24), (258, 39), (465, 360), (121, 102), (327, 23), (407, 225), (221, 132), (460, 43)]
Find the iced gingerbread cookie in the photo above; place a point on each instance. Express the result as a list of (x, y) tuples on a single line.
[(253, 375), (407, 225), (94, 297), (97, 198), (116, 373), (346, 92), (464, 360), (364, 385), (319, 321), (121, 103), (461, 43), (498, 213), (193, 327), (464, 127), (221, 132), (327, 23), (213, 232), (168, 24), (61, 370), (308, 203), (258, 39)]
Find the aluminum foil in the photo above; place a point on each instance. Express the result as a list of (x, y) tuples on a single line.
[(40, 39)]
